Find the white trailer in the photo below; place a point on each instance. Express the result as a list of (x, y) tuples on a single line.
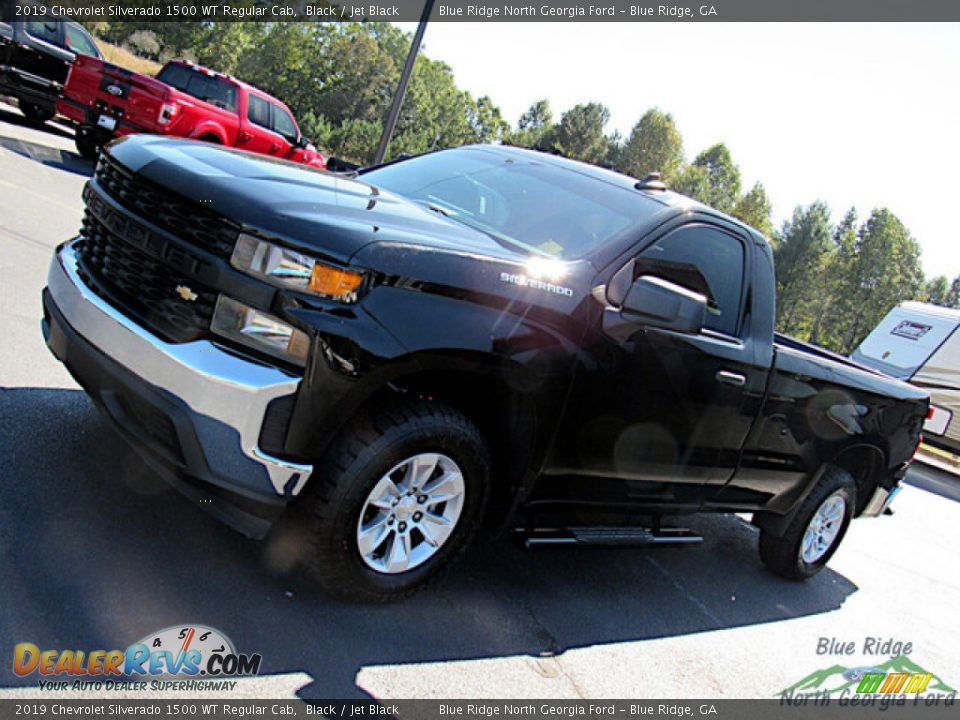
[(920, 343)]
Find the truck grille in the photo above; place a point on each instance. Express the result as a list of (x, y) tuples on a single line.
[(186, 220), (144, 288)]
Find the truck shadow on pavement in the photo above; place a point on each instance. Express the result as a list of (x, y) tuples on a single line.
[(50, 156), (99, 553)]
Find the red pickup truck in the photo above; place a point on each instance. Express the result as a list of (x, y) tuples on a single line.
[(185, 100)]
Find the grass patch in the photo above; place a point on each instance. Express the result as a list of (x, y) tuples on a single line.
[(124, 58)]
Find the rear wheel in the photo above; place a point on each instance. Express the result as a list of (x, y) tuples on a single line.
[(815, 532), (398, 499), (36, 113), (88, 144)]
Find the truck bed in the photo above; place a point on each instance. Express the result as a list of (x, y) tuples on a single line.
[(781, 340)]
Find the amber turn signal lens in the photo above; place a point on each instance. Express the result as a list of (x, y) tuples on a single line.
[(339, 284)]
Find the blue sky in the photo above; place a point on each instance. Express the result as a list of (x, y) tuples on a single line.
[(863, 115)]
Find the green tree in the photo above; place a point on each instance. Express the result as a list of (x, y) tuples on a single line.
[(654, 145), (487, 121), (692, 181), (803, 251), (580, 133), (755, 209), (831, 305), (355, 139), (357, 78), (953, 294), (226, 44), (936, 290), (884, 271), (615, 147), (534, 124), (713, 178)]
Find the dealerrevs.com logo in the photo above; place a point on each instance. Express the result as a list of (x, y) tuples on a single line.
[(179, 652)]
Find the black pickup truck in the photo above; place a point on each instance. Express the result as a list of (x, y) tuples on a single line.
[(35, 57), (476, 335)]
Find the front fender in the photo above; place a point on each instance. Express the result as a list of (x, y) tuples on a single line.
[(395, 334)]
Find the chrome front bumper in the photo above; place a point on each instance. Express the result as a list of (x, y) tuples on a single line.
[(226, 396)]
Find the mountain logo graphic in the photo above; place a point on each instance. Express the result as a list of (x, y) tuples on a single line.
[(836, 679)]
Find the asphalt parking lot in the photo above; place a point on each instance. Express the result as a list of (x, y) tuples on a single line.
[(96, 552)]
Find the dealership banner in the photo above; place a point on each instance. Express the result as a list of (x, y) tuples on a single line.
[(482, 10), (467, 709)]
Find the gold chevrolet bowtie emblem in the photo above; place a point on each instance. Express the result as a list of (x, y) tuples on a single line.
[(186, 293)]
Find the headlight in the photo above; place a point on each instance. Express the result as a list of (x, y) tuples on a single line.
[(260, 331), (288, 268)]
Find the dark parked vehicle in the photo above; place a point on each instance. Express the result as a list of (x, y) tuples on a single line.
[(483, 334), (35, 58)]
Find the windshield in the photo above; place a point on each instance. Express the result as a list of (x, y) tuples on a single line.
[(214, 90), (537, 205)]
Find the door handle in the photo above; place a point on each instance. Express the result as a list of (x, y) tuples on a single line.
[(275, 147), (731, 378)]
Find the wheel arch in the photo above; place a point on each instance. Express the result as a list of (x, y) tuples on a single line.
[(509, 418), (864, 461), (209, 132)]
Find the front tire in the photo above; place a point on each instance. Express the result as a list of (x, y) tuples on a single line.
[(397, 499), (815, 532)]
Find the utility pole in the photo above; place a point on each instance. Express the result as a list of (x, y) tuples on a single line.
[(394, 113)]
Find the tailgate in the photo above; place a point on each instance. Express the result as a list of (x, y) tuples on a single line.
[(115, 91)]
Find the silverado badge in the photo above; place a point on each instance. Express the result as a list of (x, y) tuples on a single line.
[(186, 293)]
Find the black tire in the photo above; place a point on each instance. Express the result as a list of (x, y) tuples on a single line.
[(88, 144), (36, 113), (366, 450), (782, 553)]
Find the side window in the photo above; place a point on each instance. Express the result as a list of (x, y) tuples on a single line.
[(704, 260), (284, 124), (44, 30), (78, 42), (258, 111)]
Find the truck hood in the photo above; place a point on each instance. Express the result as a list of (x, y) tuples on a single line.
[(321, 213), (349, 221)]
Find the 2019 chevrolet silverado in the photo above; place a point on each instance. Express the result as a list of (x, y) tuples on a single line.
[(476, 335), (183, 100), (35, 58)]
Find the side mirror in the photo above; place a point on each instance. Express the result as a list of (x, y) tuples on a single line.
[(654, 302), (302, 142)]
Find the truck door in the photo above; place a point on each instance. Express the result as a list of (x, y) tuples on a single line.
[(665, 414), (256, 133), (48, 63), (286, 131)]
